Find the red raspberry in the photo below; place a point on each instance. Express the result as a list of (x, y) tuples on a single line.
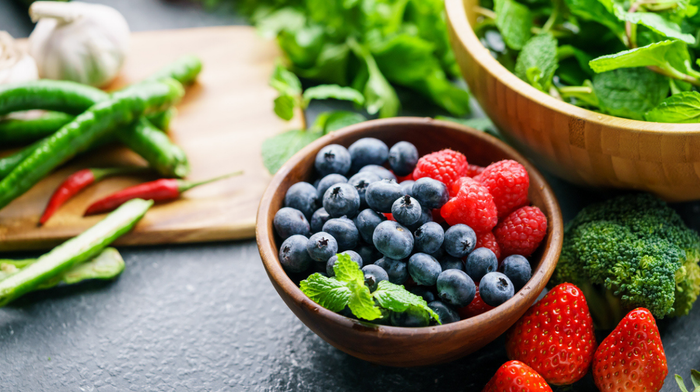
[(446, 166), (474, 170), (404, 178), (454, 188), (389, 216), (475, 308), (507, 181), (437, 218), (472, 205), (488, 240), (521, 232)]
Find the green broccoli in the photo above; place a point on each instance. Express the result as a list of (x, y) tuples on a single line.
[(628, 252)]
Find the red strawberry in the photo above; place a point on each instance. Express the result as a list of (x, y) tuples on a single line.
[(445, 165), (555, 336), (515, 376), (521, 232), (508, 182), (475, 308), (488, 240), (632, 357)]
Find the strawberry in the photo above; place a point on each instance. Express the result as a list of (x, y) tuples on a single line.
[(631, 358), (555, 336), (515, 376)]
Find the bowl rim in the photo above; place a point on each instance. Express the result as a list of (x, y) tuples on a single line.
[(462, 29), (524, 297)]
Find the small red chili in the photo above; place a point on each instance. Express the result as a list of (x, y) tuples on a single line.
[(79, 181), (160, 190)]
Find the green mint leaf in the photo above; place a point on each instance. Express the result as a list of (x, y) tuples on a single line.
[(327, 292), (683, 107), (278, 149), (661, 54), (695, 377), (442, 92), (583, 58), (380, 96), (341, 119), (302, 46), (483, 124), (288, 18), (361, 303), (284, 107), (537, 61), (514, 21), (404, 59), (347, 270), (630, 92), (330, 66), (326, 91), (660, 25), (597, 11), (284, 81), (396, 298)]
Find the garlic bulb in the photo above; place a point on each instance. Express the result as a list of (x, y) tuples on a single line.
[(76, 41), (15, 65)]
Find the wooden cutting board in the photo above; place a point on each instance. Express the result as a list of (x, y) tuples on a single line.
[(221, 124)]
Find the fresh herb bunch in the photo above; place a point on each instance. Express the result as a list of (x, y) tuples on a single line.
[(631, 58)]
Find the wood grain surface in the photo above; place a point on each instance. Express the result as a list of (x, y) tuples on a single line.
[(221, 124), (580, 145), (395, 346)]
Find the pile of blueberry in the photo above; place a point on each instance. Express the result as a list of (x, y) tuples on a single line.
[(387, 228)]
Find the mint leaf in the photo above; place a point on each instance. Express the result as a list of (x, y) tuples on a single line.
[(660, 25), (661, 54), (446, 95), (379, 95), (326, 91), (483, 124), (347, 270), (330, 65), (327, 292), (284, 107), (278, 149), (537, 61), (303, 45), (273, 23), (601, 11), (630, 92), (583, 58), (514, 21), (361, 303), (341, 119), (404, 59), (396, 298), (284, 81), (679, 108)]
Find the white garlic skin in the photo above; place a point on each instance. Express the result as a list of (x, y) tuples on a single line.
[(85, 43), (16, 66)]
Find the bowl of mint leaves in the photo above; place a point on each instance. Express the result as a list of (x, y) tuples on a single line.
[(600, 92)]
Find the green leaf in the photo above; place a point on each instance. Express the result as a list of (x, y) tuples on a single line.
[(285, 82), (347, 270), (284, 107), (380, 96), (396, 298), (442, 92), (405, 58), (341, 119), (278, 149), (683, 107), (326, 91), (630, 92), (660, 54), (601, 11), (287, 18), (361, 303), (302, 46), (581, 57), (330, 66), (681, 384), (483, 124), (695, 377), (537, 61), (660, 25), (327, 292), (514, 21)]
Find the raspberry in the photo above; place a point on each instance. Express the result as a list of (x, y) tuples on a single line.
[(521, 232), (400, 179), (474, 170), (454, 188), (475, 308), (507, 181), (488, 240), (389, 216), (446, 166), (472, 205)]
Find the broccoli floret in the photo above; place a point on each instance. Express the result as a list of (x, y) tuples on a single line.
[(628, 252)]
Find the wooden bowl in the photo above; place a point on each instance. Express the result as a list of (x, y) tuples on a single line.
[(579, 145), (396, 346)]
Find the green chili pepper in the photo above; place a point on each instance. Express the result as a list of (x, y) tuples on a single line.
[(96, 123), (162, 120), (184, 70), (74, 251), (8, 163), (18, 131), (155, 147), (58, 95)]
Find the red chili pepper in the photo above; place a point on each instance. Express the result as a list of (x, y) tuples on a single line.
[(160, 190), (79, 181)]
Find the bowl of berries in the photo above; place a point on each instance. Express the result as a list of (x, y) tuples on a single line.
[(408, 241)]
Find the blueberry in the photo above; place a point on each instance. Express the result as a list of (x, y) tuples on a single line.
[(381, 195), (412, 317), (430, 193), (366, 221), (331, 262), (290, 221), (449, 262), (518, 270), (456, 288), (423, 292), (445, 312), (327, 182), (322, 246), (341, 200), (333, 158), (293, 254), (424, 269), (393, 240), (368, 151), (480, 262), (460, 240), (368, 253), (439, 254), (495, 288), (406, 210), (407, 187), (344, 231), (396, 269), (318, 219), (361, 181), (381, 171), (373, 275), (402, 158), (428, 238), (303, 197), (425, 217)]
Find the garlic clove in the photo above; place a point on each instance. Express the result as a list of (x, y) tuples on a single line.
[(15, 65)]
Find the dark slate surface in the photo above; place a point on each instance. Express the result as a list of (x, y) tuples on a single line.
[(205, 317)]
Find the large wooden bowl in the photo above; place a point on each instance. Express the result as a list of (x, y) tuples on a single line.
[(395, 346), (579, 145)]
